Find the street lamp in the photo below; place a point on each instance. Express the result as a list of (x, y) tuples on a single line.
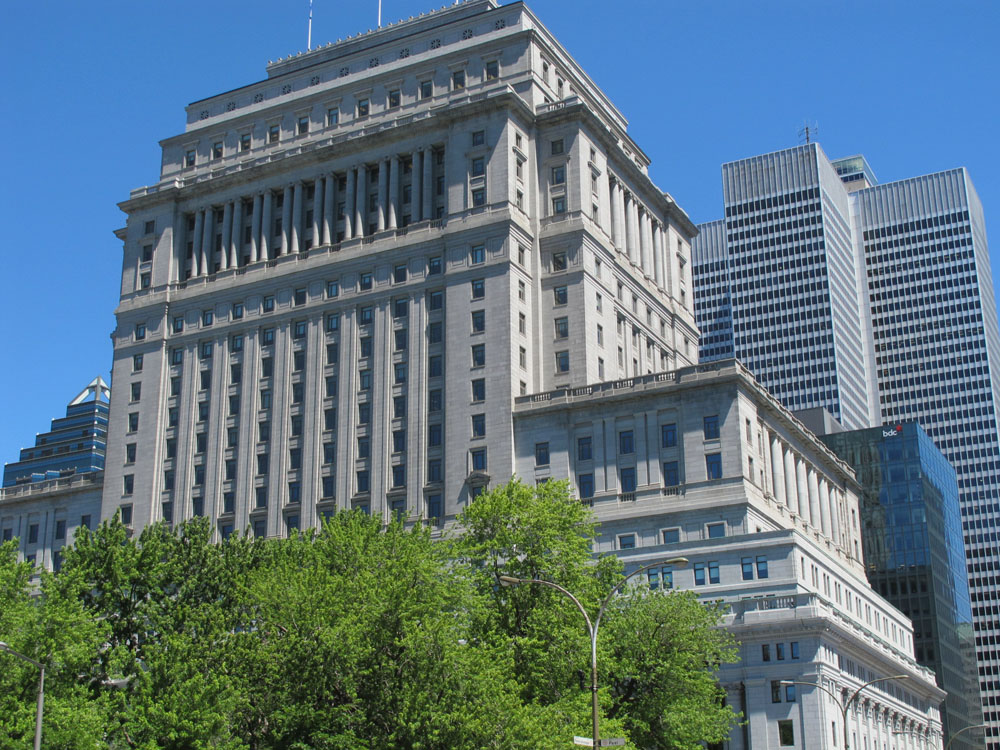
[(41, 691), (593, 626), (845, 706), (964, 729)]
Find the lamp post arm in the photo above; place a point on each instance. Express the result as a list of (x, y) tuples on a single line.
[(964, 729), (557, 587), (857, 692), (617, 587)]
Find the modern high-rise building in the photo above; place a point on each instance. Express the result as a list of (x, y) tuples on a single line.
[(57, 485), (911, 531), (428, 258), (922, 278)]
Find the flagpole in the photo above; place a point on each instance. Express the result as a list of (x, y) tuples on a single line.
[(309, 40), (379, 14)]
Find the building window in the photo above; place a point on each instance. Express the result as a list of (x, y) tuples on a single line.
[(786, 733), (394, 98), (426, 89), (303, 125), (522, 358), (626, 442), (746, 565), (434, 435), (458, 80), (713, 466), (478, 425), (478, 166), (478, 321), (712, 427), (562, 361), (492, 70), (699, 574), (273, 133), (125, 512), (332, 116), (557, 147), (479, 197), (775, 691), (541, 454), (363, 107), (559, 175), (478, 288), (560, 295), (716, 530), (136, 363), (671, 474), (133, 421), (479, 459), (559, 205), (562, 328), (628, 479), (762, 573), (479, 355), (789, 693), (217, 150), (190, 157), (585, 485), (477, 254), (626, 541), (434, 506), (668, 436), (793, 646), (584, 450)]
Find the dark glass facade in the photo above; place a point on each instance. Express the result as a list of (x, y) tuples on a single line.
[(914, 555)]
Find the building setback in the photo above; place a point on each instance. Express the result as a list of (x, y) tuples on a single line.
[(928, 315)]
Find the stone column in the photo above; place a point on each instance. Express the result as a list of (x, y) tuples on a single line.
[(803, 489), (360, 202), (778, 470), (298, 198), (199, 221), (835, 515), (286, 220), (644, 242), (814, 509), (266, 224), (383, 193), (236, 238), (619, 209), (349, 204), (791, 492), (329, 210), (658, 255), (227, 232), (630, 232), (416, 191), (616, 225), (208, 243), (427, 201), (393, 206), (317, 222), (824, 506)]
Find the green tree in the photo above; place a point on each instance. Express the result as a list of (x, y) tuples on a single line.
[(658, 652)]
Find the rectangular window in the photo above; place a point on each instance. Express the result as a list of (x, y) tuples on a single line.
[(478, 459), (140, 331), (786, 733), (671, 474), (426, 89), (562, 328), (541, 454), (332, 116), (775, 691), (559, 204), (478, 425), (492, 70), (363, 107), (479, 355), (458, 80), (478, 166), (584, 448), (628, 479), (626, 442), (765, 652), (435, 300), (399, 476), (779, 651), (434, 433), (560, 295), (479, 197), (273, 133), (794, 648), (716, 530), (712, 427), (668, 436), (585, 484), (136, 363), (559, 175), (479, 390), (713, 466), (699, 574), (303, 125), (435, 507), (626, 541), (557, 147), (394, 98), (762, 573), (562, 361), (713, 572), (746, 564), (364, 413)]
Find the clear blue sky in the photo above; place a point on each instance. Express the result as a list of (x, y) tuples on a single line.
[(89, 88)]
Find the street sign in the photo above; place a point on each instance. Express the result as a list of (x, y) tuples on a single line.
[(589, 742)]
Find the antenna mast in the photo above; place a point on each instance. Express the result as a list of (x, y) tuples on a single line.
[(808, 133), (309, 38), (379, 15)]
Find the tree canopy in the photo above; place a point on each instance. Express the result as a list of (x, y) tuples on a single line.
[(355, 635)]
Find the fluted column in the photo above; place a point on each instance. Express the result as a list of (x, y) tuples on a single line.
[(814, 511), (644, 242), (286, 220), (329, 208), (803, 489), (349, 203), (630, 239), (619, 209), (236, 238), (427, 183), (416, 190), (383, 193), (777, 471), (791, 492), (360, 201), (835, 516), (199, 220), (295, 236), (393, 203), (255, 218), (616, 225), (227, 231), (266, 224), (824, 506), (658, 255), (317, 222), (208, 243)]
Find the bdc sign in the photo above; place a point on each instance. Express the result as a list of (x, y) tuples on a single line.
[(892, 431)]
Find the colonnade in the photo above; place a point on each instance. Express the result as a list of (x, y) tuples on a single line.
[(796, 484), (372, 201), (637, 233)]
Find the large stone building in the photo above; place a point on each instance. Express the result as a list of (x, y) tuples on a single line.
[(813, 256), (427, 258)]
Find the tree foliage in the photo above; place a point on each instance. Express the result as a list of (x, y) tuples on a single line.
[(355, 635)]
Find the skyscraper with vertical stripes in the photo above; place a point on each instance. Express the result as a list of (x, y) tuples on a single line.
[(846, 292)]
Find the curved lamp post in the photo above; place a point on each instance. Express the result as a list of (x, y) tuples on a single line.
[(845, 706), (41, 690), (964, 729), (592, 626)]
